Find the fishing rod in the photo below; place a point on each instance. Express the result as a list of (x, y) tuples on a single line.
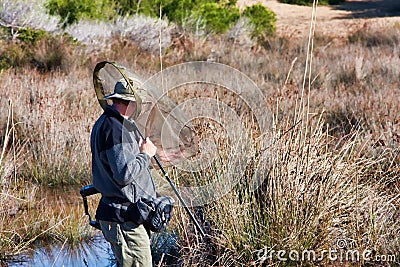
[(172, 184)]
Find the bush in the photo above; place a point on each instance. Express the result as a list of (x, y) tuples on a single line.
[(262, 19), (29, 35), (38, 49), (14, 55), (19, 52), (51, 54), (27, 14), (310, 2), (216, 18), (179, 11), (71, 11), (149, 8)]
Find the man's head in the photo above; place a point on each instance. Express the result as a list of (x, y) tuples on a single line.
[(123, 98)]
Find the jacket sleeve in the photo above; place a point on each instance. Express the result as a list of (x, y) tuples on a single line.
[(127, 163)]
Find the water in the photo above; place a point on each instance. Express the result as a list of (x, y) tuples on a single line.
[(96, 252)]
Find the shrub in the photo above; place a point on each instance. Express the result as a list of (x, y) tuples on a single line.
[(310, 2), (71, 11), (18, 14), (179, 11), (262, 19), (14, 55), (51, 54), (38, 49), (30, 35), (216, 18), (147, 7), (213, 16)]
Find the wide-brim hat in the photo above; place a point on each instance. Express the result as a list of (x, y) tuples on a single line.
[(122, 91)]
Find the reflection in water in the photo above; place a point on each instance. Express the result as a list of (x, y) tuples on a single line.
[(164, 247), (97, 252)]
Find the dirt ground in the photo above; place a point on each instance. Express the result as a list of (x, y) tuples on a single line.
[(337, 21)]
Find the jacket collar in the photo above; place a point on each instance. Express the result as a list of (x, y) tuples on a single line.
[(112, 112)]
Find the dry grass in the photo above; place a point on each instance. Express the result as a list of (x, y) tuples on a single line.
[(52, 112), (29, 211), (310, 198), (330, 178)]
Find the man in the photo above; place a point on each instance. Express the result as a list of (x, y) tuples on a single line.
[(120, 169)]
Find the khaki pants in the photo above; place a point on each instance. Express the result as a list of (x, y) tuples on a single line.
[(129, 242)]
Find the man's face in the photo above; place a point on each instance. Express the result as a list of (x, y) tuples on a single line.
[(131, 109)]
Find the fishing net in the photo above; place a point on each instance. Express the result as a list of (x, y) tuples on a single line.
[(157, 116)]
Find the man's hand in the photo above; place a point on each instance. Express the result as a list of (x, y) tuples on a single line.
[(147, 147), (171, 155)]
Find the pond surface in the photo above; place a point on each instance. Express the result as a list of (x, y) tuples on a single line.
[(96, 252)]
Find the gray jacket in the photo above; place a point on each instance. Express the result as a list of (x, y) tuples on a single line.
[(120, 171)]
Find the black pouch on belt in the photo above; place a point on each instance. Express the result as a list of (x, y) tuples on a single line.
[(139, 212)]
